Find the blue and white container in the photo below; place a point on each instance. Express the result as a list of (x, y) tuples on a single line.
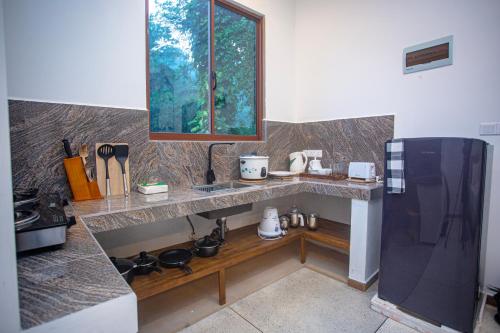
[(254, 167)]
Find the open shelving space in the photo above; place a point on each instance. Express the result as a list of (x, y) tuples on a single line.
[(241, 245), (177, 308)]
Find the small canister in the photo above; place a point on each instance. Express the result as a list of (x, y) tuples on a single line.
[(312, 221), (296, 218), (284, 222)]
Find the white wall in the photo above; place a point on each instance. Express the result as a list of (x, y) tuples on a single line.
[(93, 52), (349, 64), (279, 56), (325, 59), (9, 306), (81, 52)]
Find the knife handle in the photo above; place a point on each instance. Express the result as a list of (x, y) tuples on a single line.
[(67, 148), (125, 186), (108, 188)]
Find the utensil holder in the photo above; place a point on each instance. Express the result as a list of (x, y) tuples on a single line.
[(115, 172), (81, 188)]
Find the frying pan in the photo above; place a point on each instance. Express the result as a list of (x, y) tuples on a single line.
[(176, 258)]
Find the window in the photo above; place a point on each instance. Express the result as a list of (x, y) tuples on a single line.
[(204, 70)]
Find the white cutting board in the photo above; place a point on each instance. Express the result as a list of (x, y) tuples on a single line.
[(115, 172)]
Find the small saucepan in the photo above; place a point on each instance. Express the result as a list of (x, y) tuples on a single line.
[(176, 258), (206, 247), (145, 264), (125, 267)]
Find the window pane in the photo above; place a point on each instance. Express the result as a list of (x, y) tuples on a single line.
[(179, 66), (235, 63)]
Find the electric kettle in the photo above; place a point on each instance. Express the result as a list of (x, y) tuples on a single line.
[(298, 162)]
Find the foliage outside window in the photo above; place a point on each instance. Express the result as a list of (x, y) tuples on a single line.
[(204, 70)]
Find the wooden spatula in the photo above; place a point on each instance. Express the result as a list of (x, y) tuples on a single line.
[(84, 153), (106, 152), (121, 155)]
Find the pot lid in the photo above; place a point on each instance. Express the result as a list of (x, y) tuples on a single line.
[(205, 242), (145, 259), (122, 265)]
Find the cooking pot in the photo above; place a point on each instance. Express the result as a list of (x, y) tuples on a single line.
[(146, 263), (254, 167), (206, 247), (125, 267)]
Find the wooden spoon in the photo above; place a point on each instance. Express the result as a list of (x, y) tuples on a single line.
[(84, 153)]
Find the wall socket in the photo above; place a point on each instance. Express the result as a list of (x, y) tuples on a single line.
[(489, 128), (314, 153)]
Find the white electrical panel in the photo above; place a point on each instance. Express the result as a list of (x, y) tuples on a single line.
[(489, 128), (314, 153)]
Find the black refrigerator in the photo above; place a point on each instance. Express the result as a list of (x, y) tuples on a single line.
[(431, 232)]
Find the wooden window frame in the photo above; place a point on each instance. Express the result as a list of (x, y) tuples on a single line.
[(259, 20)]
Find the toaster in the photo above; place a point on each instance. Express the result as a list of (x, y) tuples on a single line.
[(362, 170)]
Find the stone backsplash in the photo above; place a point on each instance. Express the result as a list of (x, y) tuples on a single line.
[(37, 153)]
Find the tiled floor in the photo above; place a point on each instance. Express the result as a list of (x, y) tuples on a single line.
[(489, 324), (275, 293), (298, 303), (181, 307), (280, 308)]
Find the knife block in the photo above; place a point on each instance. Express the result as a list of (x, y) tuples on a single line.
[(80, 186)]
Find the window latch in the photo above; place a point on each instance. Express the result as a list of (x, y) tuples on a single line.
[(214, 80)]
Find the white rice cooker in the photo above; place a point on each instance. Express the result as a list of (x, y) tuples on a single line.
[(254, 167)]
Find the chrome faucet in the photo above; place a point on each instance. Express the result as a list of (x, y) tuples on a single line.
[(210, 171)]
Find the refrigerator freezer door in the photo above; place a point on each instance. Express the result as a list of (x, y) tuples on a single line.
[(431, 233)]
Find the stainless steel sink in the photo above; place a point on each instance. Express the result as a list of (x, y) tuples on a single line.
[(225, 212), (229, 186), (224, 187), (221, 214)]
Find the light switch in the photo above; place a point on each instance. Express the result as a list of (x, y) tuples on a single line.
[(489, 128)]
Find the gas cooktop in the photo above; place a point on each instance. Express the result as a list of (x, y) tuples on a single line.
[(40, 220)]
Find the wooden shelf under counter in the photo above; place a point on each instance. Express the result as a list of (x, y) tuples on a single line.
[(241, 244)]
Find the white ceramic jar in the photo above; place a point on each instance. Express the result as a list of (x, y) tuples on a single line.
[(254, 167)]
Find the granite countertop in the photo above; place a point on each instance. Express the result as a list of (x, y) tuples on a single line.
[(120, 212), (57, 283)]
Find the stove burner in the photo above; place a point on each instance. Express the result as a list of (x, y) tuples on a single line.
[(24, 197), (25, 218), (40, 221)]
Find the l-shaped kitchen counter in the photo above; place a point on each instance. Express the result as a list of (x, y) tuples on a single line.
[(78, 289)]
